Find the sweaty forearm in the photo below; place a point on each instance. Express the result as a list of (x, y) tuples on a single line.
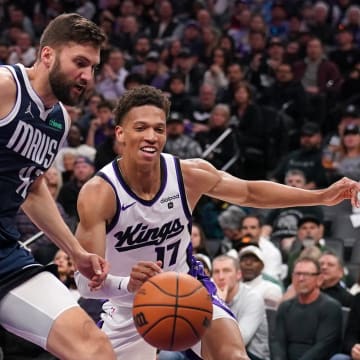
[(270, 194)]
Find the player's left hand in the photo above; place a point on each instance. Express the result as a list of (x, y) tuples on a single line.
[(344, 188), (92, 266), (141, 272)]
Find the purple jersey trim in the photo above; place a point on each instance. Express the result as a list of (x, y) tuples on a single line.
[(132, 194), (197, 271), (115, 219), (182, 189)]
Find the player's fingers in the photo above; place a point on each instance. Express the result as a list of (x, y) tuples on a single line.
[(96, 265)]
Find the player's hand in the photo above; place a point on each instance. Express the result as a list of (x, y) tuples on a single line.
[(344, 188), (355, 352), (92, 266), (141, 272)]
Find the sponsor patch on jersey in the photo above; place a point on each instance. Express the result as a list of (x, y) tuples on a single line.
[(170, 198), (56, 125)]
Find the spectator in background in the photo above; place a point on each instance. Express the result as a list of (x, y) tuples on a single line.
[(191, 38), (178, 143), (130, 30), (215, 75), (83, 170), (202, 108), (351, 343), (90, 112), (170, 54), (223, 152), (307, 158), (250, 227), (133, 80), (247, 305), (165, 29), (278, 25), (75, 143), (262, 74), (332, 271), (198, 240), (347, 161), (309, 234), (108, 150), (251, 266), (210, 38), (229, 221), (281, 225), (252, 59), (110, 82), (351, 20), (351, 85), (153, 71), (250, 132), (321, 79), (320, 26), (179, 97), (235, 75), (187, 64), (288, 96), (17, 17), (65, 269), (100, 127), (141, 48), (309, 325), (23, 51), (346, 54)]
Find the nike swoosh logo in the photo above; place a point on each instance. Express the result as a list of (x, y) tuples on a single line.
[(124, 207)]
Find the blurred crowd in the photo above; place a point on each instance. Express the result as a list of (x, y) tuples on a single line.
[(261, 89)]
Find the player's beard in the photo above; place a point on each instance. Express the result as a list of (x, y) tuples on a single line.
[(61, 86)]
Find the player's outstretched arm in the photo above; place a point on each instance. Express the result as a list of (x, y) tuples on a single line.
[(42, 210), (201, 178)]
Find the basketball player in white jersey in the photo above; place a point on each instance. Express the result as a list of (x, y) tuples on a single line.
[(137, 214)]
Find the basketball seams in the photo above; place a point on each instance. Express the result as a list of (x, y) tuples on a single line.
[(173, 321), (175, 312), (176, 295), (182, 307)]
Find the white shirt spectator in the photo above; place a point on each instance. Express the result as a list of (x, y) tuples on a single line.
[(249, 309), (272, 258), (270, 292)]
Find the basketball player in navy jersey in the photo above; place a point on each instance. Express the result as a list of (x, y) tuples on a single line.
[(137, 214), (34, 304)]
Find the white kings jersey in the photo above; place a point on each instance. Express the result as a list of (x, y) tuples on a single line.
[(149, 230)]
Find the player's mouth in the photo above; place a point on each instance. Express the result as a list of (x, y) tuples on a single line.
[(149, 150), (79, 89)]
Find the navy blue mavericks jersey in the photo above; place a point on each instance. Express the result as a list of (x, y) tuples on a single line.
[(30, 137)]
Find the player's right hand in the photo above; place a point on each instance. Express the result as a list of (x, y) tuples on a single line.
[(141, 272)]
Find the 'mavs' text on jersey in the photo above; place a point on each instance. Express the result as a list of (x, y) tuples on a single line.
[(33, 144)]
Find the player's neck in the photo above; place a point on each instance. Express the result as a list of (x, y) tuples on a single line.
[(144, 181), (40, 83)]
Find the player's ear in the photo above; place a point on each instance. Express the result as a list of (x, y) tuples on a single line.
[(119, 133), (47, 56)]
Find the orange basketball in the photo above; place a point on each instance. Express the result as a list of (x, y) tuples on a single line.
[(172, 311)]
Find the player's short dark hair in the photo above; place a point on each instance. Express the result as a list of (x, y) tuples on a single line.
[(140, 96), (71, 27)]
